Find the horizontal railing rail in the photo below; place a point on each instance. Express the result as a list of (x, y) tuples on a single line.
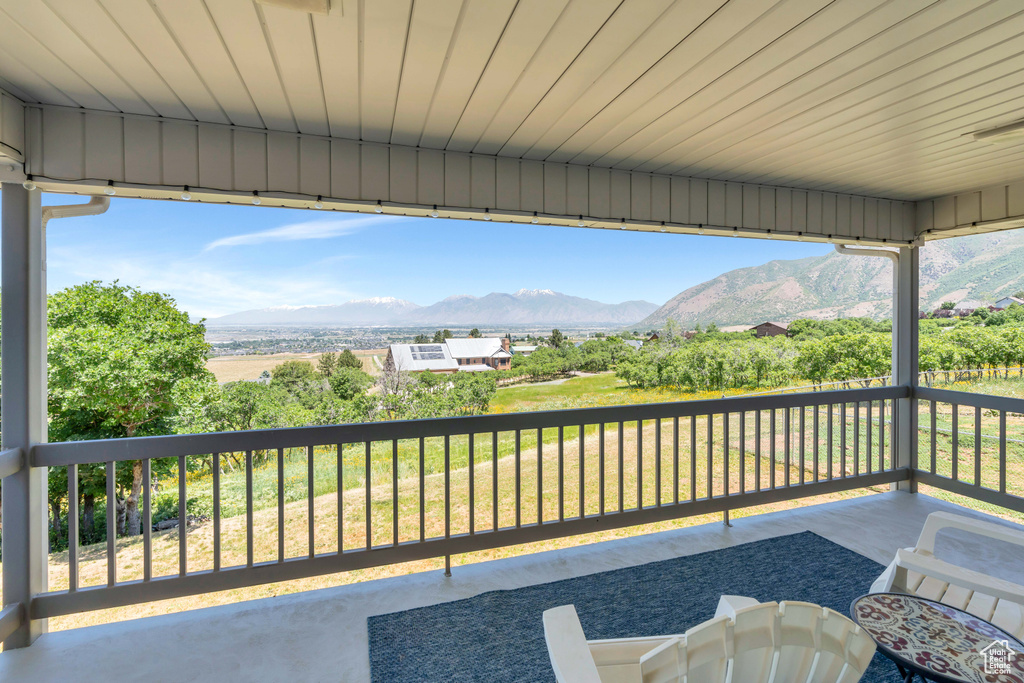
[(150, 447), (973, 464), (413, 490)]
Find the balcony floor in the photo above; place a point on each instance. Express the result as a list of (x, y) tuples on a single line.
[(321, 635)]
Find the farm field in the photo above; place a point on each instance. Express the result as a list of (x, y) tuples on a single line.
[(237, 368), (659, 477)]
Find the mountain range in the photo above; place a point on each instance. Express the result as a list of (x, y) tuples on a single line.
[(982, 267), (525, 307)]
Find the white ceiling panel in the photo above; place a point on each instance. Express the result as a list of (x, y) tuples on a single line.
[(864, 96)]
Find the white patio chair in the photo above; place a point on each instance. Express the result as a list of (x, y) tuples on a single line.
[(746, 642), (917, 571)]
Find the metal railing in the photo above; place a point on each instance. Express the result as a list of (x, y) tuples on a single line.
[(433, 488), (971, 462)]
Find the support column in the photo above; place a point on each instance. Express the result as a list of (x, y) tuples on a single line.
[(905, 360), (23, 280)]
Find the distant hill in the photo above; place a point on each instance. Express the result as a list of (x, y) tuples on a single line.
[(984, 267), (525, 307)]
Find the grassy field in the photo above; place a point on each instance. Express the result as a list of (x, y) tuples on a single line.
[(641, 468), (236, 368)]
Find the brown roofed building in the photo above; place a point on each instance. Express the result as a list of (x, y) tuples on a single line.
[(770, 329)]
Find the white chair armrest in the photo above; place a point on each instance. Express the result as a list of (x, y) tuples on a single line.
[(946, 520), (950, 573), (728, 605), (567, 647)]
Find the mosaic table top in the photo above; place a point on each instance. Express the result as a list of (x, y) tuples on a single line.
[(939, 641)]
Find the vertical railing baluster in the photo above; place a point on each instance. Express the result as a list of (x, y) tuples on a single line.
[(311, 500), (540, 476), (583, 508), (280, 505), (394, 498), (693, 458), (248, 509), (216, 509), (494, 481), (368, 485), (622, 462), (73, 527), (881, 436), (182, 518), (447, 487), (709, 469), (803, 445), (870, 435), (757, 449), (639, 464), (340, 475), (787, 446), (725, 454), (147, 519), (561, 473), (472, 488), (817, 445), (829, 437), (932, 438), (111, 525), (856, 438), (955, 433), (601, 428), (771, 448), (657, 462), (1002, 451), (743, 452), (675, 460), (977, 445), (519, 520), (842, 439), (423, 491)]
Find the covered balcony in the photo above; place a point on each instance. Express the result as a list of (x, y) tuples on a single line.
[(875, 127)]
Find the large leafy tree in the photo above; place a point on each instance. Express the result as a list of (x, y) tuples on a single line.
[(116, 354)]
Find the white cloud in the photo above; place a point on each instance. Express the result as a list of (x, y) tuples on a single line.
[(204, 289), (311, 230)]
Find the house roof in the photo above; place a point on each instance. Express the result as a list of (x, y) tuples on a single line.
[(784, 326), (524, 349), (420, 357), (485, 347), (970, 303), (634, 343)]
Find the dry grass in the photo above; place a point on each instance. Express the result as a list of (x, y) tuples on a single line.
[(236, 368)]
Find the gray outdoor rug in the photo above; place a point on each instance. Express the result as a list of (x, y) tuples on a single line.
[(498, 636)]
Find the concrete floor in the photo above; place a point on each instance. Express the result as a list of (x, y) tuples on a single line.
[(321, 635)]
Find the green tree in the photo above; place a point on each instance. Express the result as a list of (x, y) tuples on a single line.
[(348, 383), (421, 339), (347, 359), (557, 338), (115, 356), (475, 333), (438, 337), (948, 305), (327, 364), (294, 376)]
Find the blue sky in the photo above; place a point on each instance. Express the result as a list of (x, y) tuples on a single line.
[(217, 259)]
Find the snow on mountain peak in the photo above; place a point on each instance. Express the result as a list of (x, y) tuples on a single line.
[(534, 292)]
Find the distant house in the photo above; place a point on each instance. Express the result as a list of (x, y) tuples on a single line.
[(1006, 302), (654, 337), (454, 355), (420, 358), (523, 350), (965, 308), (634, 343), (770, 329), (475, 354)]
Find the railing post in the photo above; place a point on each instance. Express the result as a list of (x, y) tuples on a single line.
[(905, 363), (25, 537)]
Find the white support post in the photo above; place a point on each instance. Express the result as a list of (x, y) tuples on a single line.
[(905, 361), (25, 537)]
